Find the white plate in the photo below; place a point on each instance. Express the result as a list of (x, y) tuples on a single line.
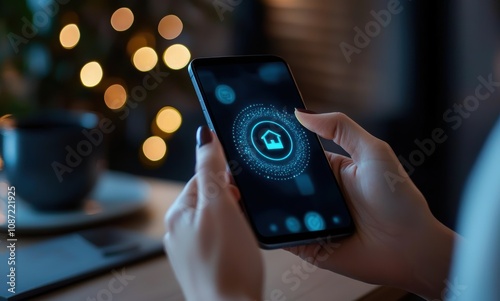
[(116, 194)]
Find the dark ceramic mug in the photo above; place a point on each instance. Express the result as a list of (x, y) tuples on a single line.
[(53, 158)]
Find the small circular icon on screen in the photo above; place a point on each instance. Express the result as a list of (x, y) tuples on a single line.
[(314, 221), (225, 94), (336, 220), (273, 228), (292, 224), (271, 140)]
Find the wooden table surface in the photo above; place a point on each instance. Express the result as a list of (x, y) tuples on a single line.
[(154, 278)]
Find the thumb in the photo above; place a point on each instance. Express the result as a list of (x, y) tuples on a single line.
[(210, 167), (345, 132)]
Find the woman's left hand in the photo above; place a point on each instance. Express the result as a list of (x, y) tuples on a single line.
[(211, 247)]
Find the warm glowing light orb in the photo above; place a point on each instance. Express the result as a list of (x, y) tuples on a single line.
[(145, 59), (122, 19), (170, 27), (136, 42), (69, 36), (176, 56), (168, 119), (91, 74), (115, 96), (154, 148)]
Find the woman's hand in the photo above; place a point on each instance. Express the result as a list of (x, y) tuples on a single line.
[(397, 241), (211, 247)]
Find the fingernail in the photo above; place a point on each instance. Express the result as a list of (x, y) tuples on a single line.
[(305, 111), (203, 135)]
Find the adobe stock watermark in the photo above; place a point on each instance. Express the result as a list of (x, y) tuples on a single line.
[(298, 273), (372, 29), (30, 29), (116, 285), (223, 6), (93, 138), (454, 118)]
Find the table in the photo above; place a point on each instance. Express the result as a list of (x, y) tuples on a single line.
[(153, 279)]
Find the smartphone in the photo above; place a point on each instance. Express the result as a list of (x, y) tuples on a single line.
[(288, 190)]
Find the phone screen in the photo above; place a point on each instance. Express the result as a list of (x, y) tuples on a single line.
[(288, 189)]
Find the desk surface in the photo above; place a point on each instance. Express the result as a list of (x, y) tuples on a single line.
[(154, 278)]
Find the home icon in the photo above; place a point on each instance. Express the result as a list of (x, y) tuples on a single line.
[(272, 140)]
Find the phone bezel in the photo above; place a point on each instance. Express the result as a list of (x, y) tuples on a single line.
[(266, 242)]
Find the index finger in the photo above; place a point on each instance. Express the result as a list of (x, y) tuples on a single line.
[(345, 132)]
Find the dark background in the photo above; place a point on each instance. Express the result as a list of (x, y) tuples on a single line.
[(426, 59)]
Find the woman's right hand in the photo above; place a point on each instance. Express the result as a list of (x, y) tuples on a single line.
[(397, 241)]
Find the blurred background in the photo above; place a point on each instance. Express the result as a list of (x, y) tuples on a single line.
[(396, 67)]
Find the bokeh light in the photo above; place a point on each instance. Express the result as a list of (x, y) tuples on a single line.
[(122, 19), (139, 40), (91, 74), (176, 56), (38, 59), (145, 59), (69, 36), (168, 119), (136, 42), (154, 148), (115, 96), (170, 27)]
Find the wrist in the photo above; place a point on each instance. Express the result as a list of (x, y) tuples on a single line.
[(430, 260)]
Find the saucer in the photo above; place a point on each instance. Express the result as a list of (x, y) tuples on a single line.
[(116, 194)]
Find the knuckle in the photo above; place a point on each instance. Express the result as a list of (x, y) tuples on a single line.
[(339, 124), (171, 219), (340, 119), (340, 116), (383, 146)]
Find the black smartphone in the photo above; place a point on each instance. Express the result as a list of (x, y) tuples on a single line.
[(288, 190)]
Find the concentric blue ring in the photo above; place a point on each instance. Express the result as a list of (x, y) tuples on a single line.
[(265, 156), (287, 168)]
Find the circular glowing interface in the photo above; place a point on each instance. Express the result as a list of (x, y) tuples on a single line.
[(271, 142)]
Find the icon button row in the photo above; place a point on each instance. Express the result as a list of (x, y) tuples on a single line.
[(313, 221)]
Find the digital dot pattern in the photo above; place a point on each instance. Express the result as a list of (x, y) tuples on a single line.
[(287, 169)]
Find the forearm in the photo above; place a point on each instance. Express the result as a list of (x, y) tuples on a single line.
[(431, 261)]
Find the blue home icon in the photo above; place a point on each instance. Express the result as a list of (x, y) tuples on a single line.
[(272, 140)]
